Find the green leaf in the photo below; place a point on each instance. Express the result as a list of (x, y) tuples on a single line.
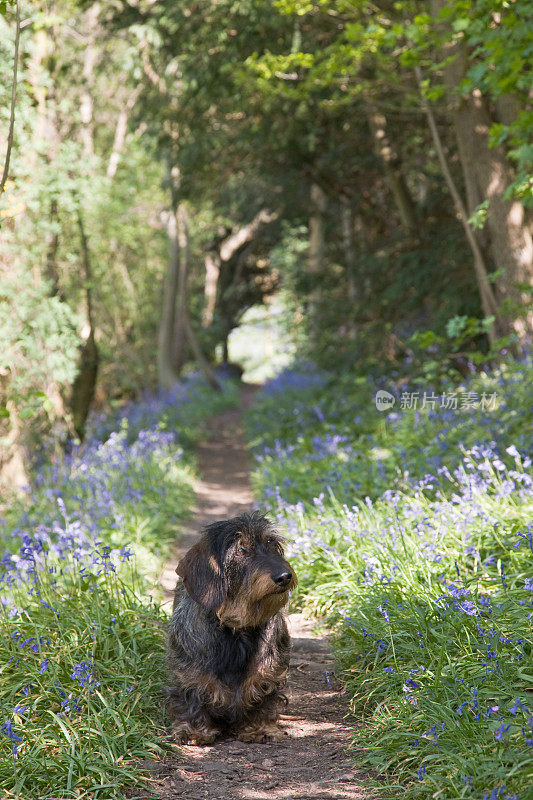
[(461, 24), (26, 413), (479, 217)]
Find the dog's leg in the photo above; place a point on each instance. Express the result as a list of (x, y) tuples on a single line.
[(262, 725), (261, 732), (190, 725)]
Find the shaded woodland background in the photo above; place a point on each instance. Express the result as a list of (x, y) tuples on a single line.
[(362, 168)]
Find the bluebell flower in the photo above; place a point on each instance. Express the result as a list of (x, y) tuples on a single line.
[(8, 730), (83, 672), (517, 706), (500, 731), (70, 704), (432, 734)]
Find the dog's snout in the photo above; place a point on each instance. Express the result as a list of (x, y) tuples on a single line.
[(282, 578)]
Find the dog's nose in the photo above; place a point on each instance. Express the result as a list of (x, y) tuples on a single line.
[(282, 578)]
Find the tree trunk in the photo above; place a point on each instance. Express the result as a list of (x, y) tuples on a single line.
[(52, 245), (175, 330), (510, 239), (392, 167), (317, 247), (86, 97), (84, 386), (185, 330), (347, 221), (224, 251), (13, 473), (120, 133), (317, 236), (212, 271), (201, 360), (5, 170), (488, 174), (166, 374), (180, 318), (488, 301)]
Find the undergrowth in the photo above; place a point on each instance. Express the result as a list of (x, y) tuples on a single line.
[(82, 633), (411, 532)]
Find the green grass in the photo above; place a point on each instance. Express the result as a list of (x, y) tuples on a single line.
[(423, 574), (81, 629)]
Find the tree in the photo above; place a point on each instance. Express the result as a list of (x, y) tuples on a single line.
[(488, 173)]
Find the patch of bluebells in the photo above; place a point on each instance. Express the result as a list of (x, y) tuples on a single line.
[(98, 480), (62, 547), (460, 523), (343, 443), (71, 500), (70, 705), (174, 408), (296, 379)]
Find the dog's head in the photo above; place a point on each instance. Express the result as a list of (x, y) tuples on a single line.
[(238, 571)]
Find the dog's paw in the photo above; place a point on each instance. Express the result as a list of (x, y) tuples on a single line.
[(184, 733), (200, 741), (261, 734)]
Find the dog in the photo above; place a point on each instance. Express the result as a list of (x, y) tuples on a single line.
[(228, 645)]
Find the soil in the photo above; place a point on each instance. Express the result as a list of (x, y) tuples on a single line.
[(311, 762)]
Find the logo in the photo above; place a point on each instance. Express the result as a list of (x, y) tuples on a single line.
[(384, 400)]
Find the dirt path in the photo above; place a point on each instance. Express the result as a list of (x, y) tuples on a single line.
[(311, 763)]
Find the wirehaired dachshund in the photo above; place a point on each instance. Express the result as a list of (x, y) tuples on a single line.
[(228, 645)]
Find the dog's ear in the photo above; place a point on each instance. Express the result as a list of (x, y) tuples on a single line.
[(202, 576)]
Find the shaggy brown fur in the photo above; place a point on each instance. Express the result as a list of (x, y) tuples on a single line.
[(228, 644)]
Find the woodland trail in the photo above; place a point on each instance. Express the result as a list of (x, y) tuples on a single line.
[(311, 762)]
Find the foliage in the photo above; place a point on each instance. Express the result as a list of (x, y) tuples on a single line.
[(65, 171), (38, 343), (426, 581), (82, 640), (247, 105)]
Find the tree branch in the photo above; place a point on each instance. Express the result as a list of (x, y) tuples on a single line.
[(120, 132), (13, 99), (230, 245)]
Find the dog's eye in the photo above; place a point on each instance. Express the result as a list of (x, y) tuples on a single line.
[(274, 544), (240, 551)]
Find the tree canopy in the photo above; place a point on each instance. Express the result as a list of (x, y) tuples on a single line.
[(173, 164)]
